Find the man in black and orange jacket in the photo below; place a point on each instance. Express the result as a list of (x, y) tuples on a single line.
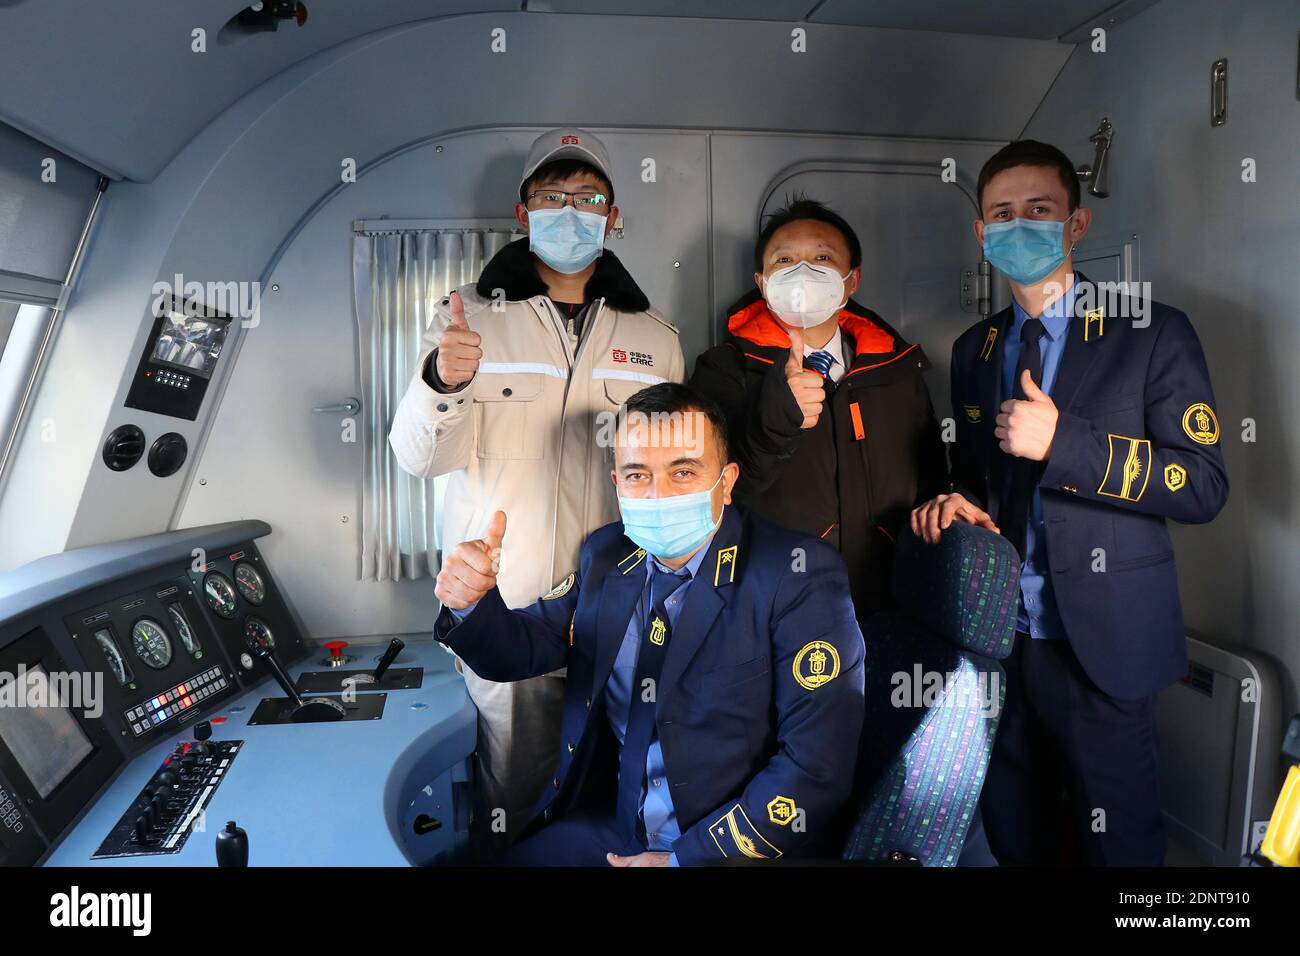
[(830, 419)]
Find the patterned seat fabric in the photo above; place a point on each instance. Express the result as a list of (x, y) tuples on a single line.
[(934, 693), (964, 589)]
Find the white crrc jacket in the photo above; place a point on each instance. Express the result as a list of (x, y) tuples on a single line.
[(521, 437)]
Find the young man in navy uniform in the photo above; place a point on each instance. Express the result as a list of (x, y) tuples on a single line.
[(714, 695), (1079, 433)]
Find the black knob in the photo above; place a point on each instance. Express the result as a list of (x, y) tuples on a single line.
[(166, 779), (141, 829), (232, 846), (202, 730)]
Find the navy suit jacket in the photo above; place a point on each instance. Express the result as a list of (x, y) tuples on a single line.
[(759, 707), (1137, 442)]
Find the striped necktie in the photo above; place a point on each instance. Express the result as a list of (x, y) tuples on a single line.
[(819, 362)]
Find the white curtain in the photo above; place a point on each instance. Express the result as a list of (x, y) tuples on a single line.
[(397, 277)]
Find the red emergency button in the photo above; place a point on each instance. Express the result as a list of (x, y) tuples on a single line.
[(336, 648)]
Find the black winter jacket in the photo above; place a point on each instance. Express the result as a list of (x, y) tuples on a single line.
[(852, 479)]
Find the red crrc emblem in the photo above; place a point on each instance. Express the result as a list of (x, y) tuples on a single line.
[(570, 141), (618, 355)]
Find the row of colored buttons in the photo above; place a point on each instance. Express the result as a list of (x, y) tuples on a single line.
[(175, 694), (175, 700)]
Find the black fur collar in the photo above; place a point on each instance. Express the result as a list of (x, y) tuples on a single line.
[(513, 270)]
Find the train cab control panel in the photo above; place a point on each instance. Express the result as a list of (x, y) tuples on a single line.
[(151, 685)]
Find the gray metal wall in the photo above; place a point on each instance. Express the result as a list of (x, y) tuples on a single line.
[(1226, 253)]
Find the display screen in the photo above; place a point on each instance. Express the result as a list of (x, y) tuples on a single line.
[(47, 742), (190, 342)]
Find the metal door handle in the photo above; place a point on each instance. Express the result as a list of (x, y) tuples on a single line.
[(349, 405)]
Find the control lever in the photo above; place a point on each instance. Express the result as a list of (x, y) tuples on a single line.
[(394, 648), (202, 733), (232, 846), (309, 711), (390, 655)]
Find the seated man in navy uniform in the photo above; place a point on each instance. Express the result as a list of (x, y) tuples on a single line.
[(715, 680), (1079, 433)]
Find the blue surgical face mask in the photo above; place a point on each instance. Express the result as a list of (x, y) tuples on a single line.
[(1025, 250), (566, 240), (669, 527)]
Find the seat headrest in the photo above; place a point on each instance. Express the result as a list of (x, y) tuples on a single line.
[(966, 588)]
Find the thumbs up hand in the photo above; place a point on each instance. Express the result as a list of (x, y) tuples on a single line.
[(1025, 427), (470, 571), (805, 386), (459, 349)]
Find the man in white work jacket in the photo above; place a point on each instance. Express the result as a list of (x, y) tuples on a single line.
[(507, 397)]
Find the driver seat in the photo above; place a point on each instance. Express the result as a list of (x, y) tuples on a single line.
[(934, 692)]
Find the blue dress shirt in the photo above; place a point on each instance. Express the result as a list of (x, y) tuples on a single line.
[(657, 808), (1038, 615)]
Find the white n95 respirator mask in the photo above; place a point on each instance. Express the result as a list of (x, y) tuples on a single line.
[(804, 295)]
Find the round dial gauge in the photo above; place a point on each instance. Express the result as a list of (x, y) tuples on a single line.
[(151, 643), (220, 593), (257, 635), (116, 662), (250, 583), (187, 635)]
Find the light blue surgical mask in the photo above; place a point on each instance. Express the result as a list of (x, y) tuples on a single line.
[(1025, 250), (669, 527), (566, 240)]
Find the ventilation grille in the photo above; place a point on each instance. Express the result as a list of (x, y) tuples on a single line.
[(123, 447)]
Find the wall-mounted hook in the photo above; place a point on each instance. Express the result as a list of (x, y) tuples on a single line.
[(1096, 175)]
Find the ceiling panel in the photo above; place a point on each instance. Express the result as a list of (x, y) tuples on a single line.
[(712, 9), (1031, 19), (96, 79), (117, 86)]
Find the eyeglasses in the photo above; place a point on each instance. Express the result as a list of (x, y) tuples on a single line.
[(586, 200)]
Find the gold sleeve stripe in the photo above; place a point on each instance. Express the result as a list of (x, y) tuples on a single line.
[(736, 836), (1128, 468)]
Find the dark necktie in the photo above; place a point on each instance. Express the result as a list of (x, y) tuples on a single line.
[(641, 712), (1022, 473), (819, 362)]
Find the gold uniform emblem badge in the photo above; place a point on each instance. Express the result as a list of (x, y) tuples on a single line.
[(1090, 317), (987, 348), (634, 558), (726, 559), (1200, 424), (816, 664), (781, 810), (1175, 476), (560, 589), (658, 629), (973, 413)]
